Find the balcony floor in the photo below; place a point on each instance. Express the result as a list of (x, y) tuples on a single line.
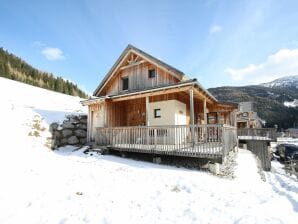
[(202, 150)]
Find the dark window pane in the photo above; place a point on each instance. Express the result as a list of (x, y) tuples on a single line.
[(151, 73), (125, 83)]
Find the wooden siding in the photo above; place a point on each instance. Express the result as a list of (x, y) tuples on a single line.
[(138, 78), (126, 113)]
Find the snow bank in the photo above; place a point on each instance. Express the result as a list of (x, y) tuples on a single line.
[(50, 105)]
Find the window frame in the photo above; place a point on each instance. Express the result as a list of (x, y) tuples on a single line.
[(155, 113), (123, 80), (150, 73)]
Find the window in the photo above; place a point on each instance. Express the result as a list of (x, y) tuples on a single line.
[(151, 73), (125, 83), (157, 113)]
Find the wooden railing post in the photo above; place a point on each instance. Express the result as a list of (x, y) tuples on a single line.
[(155, 138), (192, 120)]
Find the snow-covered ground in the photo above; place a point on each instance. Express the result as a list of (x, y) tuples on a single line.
[(293, 103), (66, 186)]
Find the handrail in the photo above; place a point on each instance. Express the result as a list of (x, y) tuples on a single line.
[(184, 140)]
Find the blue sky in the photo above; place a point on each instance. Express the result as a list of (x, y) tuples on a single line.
[(218, 42)]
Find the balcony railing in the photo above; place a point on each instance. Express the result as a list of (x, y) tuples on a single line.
[(257, 134), (181, 140)]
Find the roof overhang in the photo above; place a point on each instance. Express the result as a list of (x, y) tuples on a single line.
[(93, 100)]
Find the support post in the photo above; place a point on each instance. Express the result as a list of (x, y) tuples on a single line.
[(205, 111), (89, 124), (205, 120), (147, 120), (192, 120), (147, 110)]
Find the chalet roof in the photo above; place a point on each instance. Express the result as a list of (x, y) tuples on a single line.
[(145, 55)]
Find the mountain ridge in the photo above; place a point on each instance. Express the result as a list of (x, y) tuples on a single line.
[(269, 100), (286, 81)]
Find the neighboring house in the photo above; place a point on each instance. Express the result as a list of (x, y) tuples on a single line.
[(140, 91), (247, 117)]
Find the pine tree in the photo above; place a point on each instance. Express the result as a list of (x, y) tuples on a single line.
[(15, 68)]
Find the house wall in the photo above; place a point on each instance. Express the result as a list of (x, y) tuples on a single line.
[(126, 113), (172, 112), (138, 79), (96, 118)]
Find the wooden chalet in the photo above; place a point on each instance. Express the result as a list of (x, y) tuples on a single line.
[(145, 105)]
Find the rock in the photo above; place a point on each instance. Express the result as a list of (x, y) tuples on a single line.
[(69, 116), (66, 132), (63, 141), (83, 121), (83, 117), (74, 120), (80, 133), (73, 140), (83, 140), (82, 126), (68, 125), (53, 127), (57, 134)]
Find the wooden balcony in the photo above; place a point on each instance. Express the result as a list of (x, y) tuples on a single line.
[(201, 141)]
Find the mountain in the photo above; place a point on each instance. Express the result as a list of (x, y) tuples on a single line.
[(275, 101), (13, 67), (284, 82)]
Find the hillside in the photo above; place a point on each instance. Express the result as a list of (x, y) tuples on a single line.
[(284, 82), (13, 67), (271, 100), (68, 186)]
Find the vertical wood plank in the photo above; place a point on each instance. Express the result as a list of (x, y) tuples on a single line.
[(191, 115)]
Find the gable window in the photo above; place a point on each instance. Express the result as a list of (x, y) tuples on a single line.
[(157, 113), (125, 83), (151, 73)]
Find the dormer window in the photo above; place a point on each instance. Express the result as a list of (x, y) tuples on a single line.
[(151, 73), (125, 83)]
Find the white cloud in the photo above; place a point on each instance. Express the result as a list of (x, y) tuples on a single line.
[(53, 54), (283, 62), (215, 29)]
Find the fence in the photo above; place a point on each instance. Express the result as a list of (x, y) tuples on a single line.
[(257, 133)]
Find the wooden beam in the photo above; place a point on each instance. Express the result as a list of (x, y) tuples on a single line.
[(202, 96), (147, 111), (192, 120), (205, 111), (153, 93), (159, 66), (132, 64), (191, 105), (89, 124)]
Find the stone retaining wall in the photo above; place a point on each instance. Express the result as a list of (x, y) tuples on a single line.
[(73, 131)]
